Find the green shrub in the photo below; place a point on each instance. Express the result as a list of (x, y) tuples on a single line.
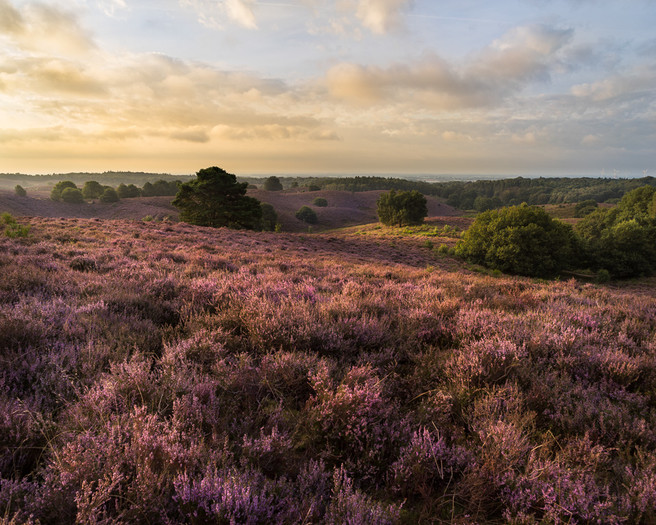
[(307, 214), (585, 207), (109, 195), (20, 191), (56, 193), (72, 195), (273, 184), (269, 217), (12, 228), (622, 240), (128, 191), (522, 240), (92, 189), (320, 202)]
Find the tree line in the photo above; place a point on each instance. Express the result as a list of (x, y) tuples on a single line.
[(618, 242), (68, 191)]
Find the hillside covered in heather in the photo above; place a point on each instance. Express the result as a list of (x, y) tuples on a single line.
[(166, 373)]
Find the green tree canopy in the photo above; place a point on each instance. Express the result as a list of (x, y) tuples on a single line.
[(109, 195), (128, 191), (402, 208), (215, 198), (307, 214), (92, 189), (522, 240), (273, 184), (320, 202), (72, 195), (622, 240), (269, 217), (56, 193)]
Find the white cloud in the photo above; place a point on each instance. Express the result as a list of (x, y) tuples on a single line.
[(111, 7), (379, 16), (504, 68), (214, 13)]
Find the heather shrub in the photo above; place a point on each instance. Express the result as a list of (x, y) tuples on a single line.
[(351, 423), (171, 374), (427, 465), (121, 470), (349, 505)]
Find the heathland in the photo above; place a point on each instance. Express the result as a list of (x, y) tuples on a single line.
[(153, 371)]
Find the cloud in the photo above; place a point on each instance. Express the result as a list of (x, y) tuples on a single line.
[(11, 21), (41, 27), (380, 16), (111, 7), (214, 13), (522, 56)]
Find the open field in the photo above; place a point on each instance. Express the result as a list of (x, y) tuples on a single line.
[(166, 373)]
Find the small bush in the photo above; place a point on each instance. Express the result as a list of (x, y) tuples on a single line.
[(307, 214), (12, 228), (320, 202), (20, 191)]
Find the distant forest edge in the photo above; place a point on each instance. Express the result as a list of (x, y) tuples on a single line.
[(467, 195)]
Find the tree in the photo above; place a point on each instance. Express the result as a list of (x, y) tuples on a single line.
[(109, 195), (269, 217), (402, 208), (92, 189), (585, 207), (128, 191), (307, 214), (320, 202), (522, 240), (272, 184), (72, 195), (622, 240), (56, 193), (20, 191), (215, 198)]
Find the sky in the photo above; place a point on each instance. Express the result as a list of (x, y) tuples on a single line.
[(510, 87)]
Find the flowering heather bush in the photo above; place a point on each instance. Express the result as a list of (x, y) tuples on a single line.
[(167, 373)]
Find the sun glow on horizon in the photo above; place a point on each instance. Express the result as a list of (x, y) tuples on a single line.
[(362, 86)]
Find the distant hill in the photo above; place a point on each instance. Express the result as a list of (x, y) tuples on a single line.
[(344, 208)]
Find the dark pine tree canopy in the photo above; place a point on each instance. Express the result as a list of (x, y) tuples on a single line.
[(216, 199)]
